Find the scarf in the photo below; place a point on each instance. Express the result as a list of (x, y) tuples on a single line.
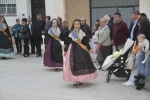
[(2, 29), (55, 34)]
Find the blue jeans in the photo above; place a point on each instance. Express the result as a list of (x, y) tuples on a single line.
[(118, 47), (144, 69)]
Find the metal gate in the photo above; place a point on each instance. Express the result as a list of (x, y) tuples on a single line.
[(99, 8)]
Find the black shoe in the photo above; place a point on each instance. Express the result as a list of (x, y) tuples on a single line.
[(99, 68), (80, 83), (136, 82), (56, 69), (32, 53), (75, 85), (38, 56), (3, 57), (139, 77), (140, 86), (25, 56)]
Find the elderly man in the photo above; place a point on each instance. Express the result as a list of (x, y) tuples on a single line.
[(111, 26), (85, 27)]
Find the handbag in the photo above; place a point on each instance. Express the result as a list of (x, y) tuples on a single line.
[(100, 57), (131, 62)]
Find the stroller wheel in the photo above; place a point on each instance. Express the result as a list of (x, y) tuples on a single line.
[(107, 78)]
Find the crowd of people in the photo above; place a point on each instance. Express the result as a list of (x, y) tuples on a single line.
[(70, 49)]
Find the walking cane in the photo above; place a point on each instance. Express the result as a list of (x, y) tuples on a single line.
[(43, 48)]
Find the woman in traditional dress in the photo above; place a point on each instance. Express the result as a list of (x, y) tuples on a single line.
[(53, 50), (6, 48), (79, 66)]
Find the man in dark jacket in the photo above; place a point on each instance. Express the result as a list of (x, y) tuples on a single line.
[(120, 32), (39, 27), (86, 29), (134, 27), (32, 31)]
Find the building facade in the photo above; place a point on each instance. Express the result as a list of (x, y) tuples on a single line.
[(71, 9)]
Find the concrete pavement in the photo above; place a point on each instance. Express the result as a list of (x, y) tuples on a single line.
[(27, 79)]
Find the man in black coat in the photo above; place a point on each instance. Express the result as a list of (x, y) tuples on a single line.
[(134, 27), (39, 27)]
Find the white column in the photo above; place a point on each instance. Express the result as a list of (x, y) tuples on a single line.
[(28, 9), (144, 7), (49, 7), (60, 8), (56, 8), (21, 8)]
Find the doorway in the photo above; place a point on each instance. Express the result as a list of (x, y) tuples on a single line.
[(38, 7)]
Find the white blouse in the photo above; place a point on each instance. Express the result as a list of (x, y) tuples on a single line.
[(80, 35), (57, 32)]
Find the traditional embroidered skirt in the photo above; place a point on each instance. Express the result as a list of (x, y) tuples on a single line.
[(47, 56), (79, 66), (6, 47)]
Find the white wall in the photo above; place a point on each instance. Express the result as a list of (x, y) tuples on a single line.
[(144, 7), (49, 7), (60, 9), (55, 8), (23, 7), (11, 20), (28, 11)]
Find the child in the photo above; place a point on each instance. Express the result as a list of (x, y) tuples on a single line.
[(96, 45), (79, 66), (143, 46)]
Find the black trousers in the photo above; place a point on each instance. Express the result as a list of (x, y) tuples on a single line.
[(32, 44), (37, 40), (18, 45), (26, 46)]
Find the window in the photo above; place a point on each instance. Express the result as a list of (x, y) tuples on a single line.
[(7, 7)]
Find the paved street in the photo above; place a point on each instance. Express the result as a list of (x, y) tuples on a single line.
[(27, 79)]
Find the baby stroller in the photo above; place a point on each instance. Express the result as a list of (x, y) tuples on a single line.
[(117, 65)]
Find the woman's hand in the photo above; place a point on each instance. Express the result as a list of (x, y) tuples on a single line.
[(64, 54), (91, 51), (99, 44), (112, 42)]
